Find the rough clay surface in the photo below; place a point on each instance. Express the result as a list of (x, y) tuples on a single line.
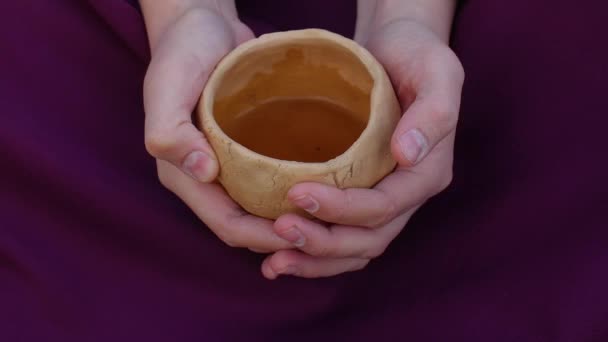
[(260, 184)]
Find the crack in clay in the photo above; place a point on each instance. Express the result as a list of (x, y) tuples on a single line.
[(335, 177), (349, 173), (230, 150), (275, 175), (230, 156)]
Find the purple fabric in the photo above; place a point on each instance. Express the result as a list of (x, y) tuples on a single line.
[(92, 248), (271, 15)]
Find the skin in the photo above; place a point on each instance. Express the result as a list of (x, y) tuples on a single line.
[(354, 226)]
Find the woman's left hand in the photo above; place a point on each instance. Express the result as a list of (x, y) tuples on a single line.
[(427, 77)]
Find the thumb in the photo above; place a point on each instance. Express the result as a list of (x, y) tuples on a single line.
[(174, 81), (432, 115)]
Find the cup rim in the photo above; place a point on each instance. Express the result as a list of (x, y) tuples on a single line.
[(373, 67)]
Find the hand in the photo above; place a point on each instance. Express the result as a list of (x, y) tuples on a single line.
[(428, 80), (184, 52)]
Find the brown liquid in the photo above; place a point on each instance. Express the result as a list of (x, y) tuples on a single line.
[(305, 130)]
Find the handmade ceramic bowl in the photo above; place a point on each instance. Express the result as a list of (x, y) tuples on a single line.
[(295, 106)]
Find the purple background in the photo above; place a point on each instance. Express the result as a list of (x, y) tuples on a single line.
[(92, 248)]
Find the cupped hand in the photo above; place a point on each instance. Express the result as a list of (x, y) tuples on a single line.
[(183, 56), (428, 78)]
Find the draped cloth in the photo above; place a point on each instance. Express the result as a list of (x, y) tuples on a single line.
[(92, 248)]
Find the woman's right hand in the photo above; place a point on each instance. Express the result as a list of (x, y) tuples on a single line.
[(187, 40)]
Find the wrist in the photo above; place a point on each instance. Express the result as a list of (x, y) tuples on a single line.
[(161, 15), (436, 15)]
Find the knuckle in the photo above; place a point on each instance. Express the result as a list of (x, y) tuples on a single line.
[(328, 246), (358, 266), (227, 235), (445, 116), (159, 142), (442, 118), (387, 213), (457, 67), (446, 111), (341, 212), (447, 57), (231, 242), (445, 180), (375, 251), (323, 250)]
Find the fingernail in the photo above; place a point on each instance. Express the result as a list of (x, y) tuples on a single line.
[(413, 145), (294, 236), (199, 166), (307, 203)]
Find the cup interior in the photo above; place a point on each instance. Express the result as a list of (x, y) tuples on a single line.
[(305, 100)]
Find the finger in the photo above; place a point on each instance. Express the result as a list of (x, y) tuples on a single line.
[(433, 114), (220, 213), (175, 79), (353, 206), (338, 241), (397, 193), (410, 187), (260, 251), (290, 262)]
